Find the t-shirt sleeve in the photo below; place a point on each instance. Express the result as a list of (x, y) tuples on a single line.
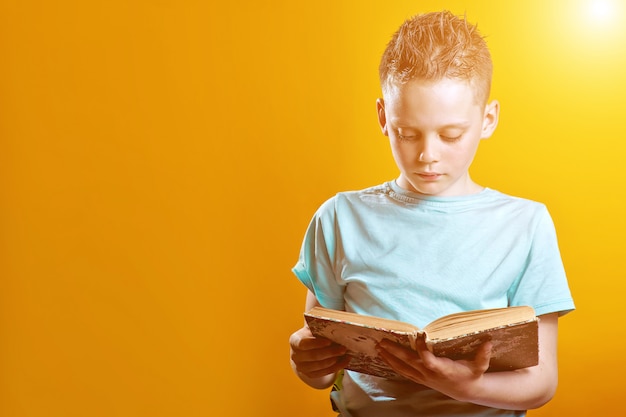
[(317, 264), (543, 283)]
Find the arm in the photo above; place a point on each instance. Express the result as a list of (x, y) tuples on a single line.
[(467, 381), (316, 361)]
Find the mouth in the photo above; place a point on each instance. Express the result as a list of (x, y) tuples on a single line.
[(429, 176)]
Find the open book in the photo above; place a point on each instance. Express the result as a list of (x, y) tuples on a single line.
[(513, 332)]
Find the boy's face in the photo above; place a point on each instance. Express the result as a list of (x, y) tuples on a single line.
[(434, 129)]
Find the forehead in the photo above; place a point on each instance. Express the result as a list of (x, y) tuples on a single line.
[(455, 88), (443, 101)]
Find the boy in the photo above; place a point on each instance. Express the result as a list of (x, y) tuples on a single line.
[(432, 242)]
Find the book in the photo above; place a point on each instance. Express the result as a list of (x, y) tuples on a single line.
[(513, 332)]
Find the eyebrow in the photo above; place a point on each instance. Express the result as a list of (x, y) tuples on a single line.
[(456, 125)]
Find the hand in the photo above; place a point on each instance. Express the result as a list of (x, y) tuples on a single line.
[(457, 379), (315, 357)]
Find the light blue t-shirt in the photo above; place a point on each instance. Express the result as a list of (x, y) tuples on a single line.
[(387, 252)]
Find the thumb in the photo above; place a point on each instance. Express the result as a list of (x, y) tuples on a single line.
[(483, 356)]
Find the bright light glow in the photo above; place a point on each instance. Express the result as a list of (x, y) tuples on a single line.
[(604, 21), (601, 10), (595, 28)]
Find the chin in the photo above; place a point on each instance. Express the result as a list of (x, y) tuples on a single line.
[(426, 191)]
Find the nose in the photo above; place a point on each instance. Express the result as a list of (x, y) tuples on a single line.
[(429, 151)]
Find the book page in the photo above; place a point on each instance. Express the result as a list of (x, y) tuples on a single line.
[(362, 320), (462, 323)]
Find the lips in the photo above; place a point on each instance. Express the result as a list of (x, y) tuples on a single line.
[(429, 176)]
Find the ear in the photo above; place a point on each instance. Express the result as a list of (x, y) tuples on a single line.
[(382, 118), (490, 119)]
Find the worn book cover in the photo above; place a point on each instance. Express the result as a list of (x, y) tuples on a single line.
[(513, 332)]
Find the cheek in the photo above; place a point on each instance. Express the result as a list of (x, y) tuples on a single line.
[(395, 152), (402, 153), (464, 154)]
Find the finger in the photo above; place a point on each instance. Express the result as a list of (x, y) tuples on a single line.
[(400, 352), (404, 361), (315, 355), (319, 369), (304, 340), (483, 356), (429, 360), (314, 343)]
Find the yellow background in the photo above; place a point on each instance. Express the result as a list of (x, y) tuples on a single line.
[(160, 160)]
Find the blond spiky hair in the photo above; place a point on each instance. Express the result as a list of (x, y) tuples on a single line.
[(437, 45)]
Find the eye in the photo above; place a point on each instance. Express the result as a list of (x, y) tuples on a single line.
[(450, 138), (406, 135)]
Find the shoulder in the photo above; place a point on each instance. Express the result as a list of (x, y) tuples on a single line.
[(356, 197), (346, 206), (521, 212), (500, 199)]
